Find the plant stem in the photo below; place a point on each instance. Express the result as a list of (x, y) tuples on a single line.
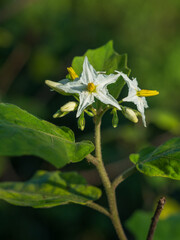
[(98, 208), (123, 176), (91, 159), (110, 192)]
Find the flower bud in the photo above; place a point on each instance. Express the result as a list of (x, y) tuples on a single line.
[(115, 118), (59, 114), (129, 114), (81, 122), (69, 107), (56, 86), (89, 113)]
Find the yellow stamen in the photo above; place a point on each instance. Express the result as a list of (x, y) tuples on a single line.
[(91, 87), (72, 73), (146, 93)]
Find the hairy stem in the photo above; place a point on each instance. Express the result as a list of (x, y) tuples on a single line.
[(91, 159), (98, 208), (110, 192)]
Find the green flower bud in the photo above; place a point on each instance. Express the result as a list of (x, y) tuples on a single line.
[(60, 114), (115, 118), (129, 114), (81, 122), (89, 113)]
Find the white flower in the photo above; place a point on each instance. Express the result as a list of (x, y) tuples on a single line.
[(88, 86), (137, 96)]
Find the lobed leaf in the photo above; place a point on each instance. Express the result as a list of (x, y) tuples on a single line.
[(49, 189), (163, 161), (24, 134)]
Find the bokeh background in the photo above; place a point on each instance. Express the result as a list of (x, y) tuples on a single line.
[(38, 40)]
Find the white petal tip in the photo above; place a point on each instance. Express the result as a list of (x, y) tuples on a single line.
[(144, 123), (119, 108), (77, 115)]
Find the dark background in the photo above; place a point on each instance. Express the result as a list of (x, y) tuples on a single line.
[(38, 40)]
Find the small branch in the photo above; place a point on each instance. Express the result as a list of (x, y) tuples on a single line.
[(123, 176), (98, 208), (90, 158), (155, 218)]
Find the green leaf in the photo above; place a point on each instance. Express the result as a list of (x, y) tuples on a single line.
[(49, 189), (163, 161), (166, 229), (105, 59), (23, 134)]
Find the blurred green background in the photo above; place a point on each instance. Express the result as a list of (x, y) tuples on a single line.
[(38, 40)]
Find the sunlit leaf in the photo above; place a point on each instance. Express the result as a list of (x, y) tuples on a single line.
[(163, 161), (48, 189)]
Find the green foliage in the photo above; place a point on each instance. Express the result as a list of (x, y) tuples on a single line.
[(163, 161), (23, 134), (165, 120), (49, 189), (166, 229), (105, 59)]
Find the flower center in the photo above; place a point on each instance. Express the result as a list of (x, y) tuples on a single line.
[(91, 87), (147, 93), (72, 73)]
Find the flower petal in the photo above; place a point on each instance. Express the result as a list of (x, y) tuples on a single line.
[(85, 99), (144, 102), (131, 96), (103, 80), (104, 96), (140, 107), (131, 83), (55, 85), (89, 74), (75, 86)]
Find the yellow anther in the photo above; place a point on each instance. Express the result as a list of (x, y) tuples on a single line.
[(72, 73), (147, 93), (91, 87)]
